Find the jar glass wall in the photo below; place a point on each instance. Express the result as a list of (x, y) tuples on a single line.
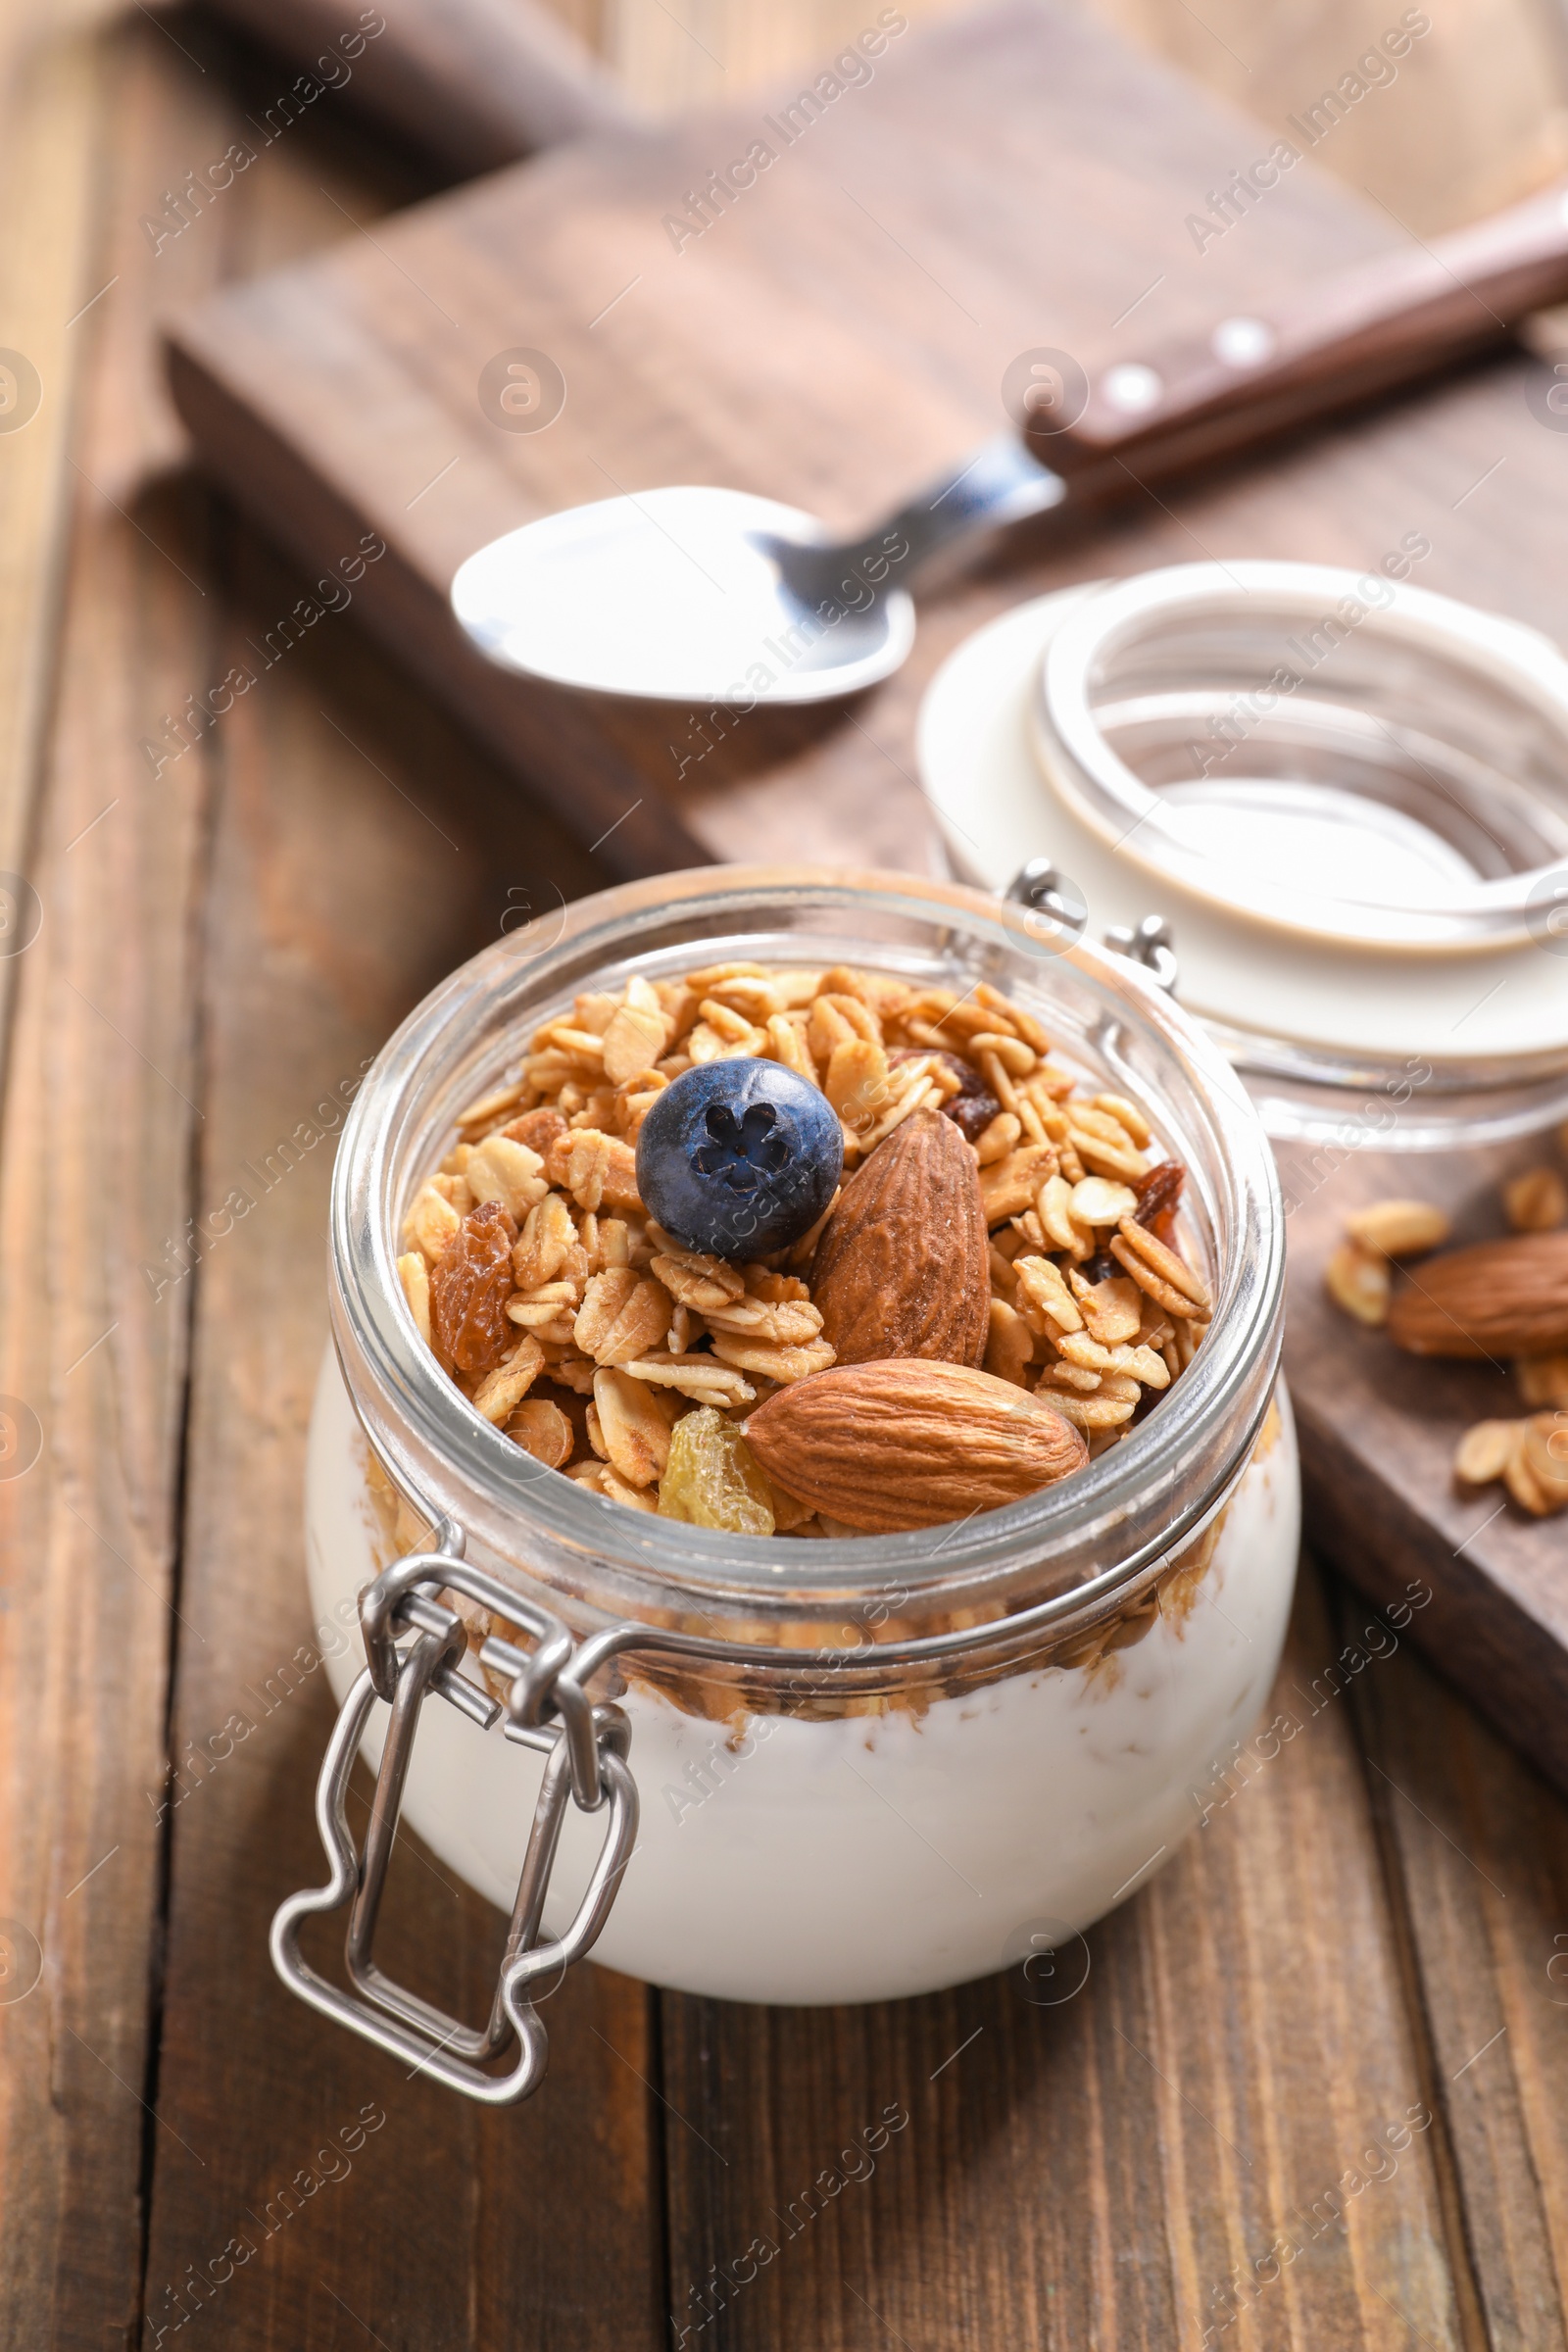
[(966, 1730)]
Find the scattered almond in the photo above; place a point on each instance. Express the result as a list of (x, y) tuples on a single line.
[(1495, 1298)]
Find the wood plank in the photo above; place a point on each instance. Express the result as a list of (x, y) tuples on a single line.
[(1478, 1848), (49, 102), (99, 1123), (1110, 2170), (359, 851)]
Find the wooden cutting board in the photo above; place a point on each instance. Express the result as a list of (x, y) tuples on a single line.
[(1002, 182)]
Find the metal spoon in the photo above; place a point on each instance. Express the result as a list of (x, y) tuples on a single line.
[(705, 595), (716, 596)]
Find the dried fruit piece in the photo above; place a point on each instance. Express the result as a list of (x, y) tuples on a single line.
[(973, 1107), (1496, 1299), (469, 1286), (1399, 1228), (1359, 1280), (911, 1442), (543, 1429), (900, 1269), (1158, 1193), (1535, 1201), (711, 1480)]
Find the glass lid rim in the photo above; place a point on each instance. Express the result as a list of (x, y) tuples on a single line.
[(1244, 1333), (1108, 795)]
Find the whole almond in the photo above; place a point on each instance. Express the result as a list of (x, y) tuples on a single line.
[(902, 1267), (911, 1442), (1496, 1299)]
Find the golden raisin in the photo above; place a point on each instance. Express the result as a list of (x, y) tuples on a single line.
[(469, 1286), (712, 1478)]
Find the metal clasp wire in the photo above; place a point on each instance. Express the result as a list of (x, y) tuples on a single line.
[(585, 1758)]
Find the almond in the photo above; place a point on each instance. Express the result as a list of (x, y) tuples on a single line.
[(1495, 1298), (911, 1442), (902, 1268)]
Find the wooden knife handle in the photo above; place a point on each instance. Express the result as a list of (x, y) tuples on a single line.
[(476, 84), (1388, 322)]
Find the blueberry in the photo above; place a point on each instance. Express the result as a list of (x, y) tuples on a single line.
[(739, 1159)]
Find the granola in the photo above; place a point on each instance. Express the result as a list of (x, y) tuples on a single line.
[(605, 1348)]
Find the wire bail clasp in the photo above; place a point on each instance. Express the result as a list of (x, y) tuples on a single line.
[(547, 1708)]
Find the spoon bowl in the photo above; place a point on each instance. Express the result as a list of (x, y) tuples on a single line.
[(702, 595), (683, 595)]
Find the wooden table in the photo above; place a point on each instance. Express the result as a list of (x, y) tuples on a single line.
[(1370, 1929)]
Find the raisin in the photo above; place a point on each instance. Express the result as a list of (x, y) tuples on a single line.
[(712, 1478), (1157, 1195), (469, 1286), (1100, 1268), (973, 1107)]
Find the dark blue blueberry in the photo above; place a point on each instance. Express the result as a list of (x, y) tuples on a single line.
[(739, 1159)]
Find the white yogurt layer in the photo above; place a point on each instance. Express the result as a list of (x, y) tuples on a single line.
[(873, 1856)]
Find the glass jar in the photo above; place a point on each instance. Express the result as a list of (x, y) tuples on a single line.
[(866, 1767), (1347, 797)]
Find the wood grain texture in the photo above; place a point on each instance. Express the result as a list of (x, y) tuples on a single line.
[(334, 902), (1479, 1863), (98, 1127), (1109, 2168)]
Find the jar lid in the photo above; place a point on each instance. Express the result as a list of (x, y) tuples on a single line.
[(1365, 870)]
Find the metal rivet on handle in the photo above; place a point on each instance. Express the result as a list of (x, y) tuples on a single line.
[(1133, 387), (1242, 342)]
